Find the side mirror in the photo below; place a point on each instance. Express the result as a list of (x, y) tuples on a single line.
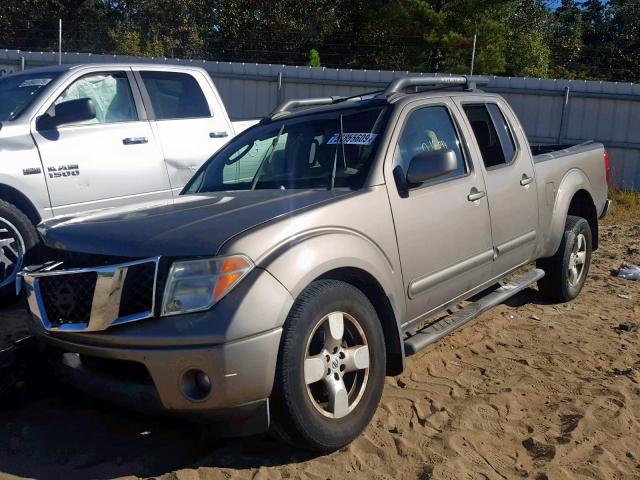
[(73, 111), (426, 166)]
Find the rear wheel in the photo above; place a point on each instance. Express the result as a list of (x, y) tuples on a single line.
[(566, 271), (331, 368), (18, 239)]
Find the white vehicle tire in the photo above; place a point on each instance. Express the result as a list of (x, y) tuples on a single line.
[(18, 242)]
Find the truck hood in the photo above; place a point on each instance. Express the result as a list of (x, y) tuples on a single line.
[(194, 225)]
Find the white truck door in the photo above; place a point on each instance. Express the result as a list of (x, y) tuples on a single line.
[(108, 161), (189, 119)]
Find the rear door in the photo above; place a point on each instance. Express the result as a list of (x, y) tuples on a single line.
[(442, 226), (186, 114), (108, 161), (510, 180)]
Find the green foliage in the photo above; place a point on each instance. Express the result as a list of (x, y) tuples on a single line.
[(314, 58), (579, 38)]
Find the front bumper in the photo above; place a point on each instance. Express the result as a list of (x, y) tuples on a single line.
[(156, 381), (147, 365)]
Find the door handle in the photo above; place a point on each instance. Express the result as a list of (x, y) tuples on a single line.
[(135, 140), (218, 134), (476, 195), (526, 180)]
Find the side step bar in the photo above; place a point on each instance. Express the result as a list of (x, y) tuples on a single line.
[(436, 331)]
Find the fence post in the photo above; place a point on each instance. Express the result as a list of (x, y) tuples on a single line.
[(280, 94), (565, 115)]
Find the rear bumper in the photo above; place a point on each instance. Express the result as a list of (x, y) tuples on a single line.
[(605, 210)]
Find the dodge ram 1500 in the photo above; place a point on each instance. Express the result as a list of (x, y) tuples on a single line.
[(75, 138)]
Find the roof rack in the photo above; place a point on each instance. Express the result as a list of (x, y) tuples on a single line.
[(303, 102), (396, 86), (468, 83)]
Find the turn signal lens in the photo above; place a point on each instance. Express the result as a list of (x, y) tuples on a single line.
[(233, 269), (197, 285)]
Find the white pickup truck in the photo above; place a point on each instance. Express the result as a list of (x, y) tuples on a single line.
[(85, 137)]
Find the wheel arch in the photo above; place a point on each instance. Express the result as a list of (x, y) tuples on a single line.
[(574, 198), (367, 284), (352, 258), (17, 198), (582, 205)]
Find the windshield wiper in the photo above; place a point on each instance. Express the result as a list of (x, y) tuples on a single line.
[(267, 158), (335, 158)]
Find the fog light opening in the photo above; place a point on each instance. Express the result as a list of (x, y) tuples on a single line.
[(196, 385)]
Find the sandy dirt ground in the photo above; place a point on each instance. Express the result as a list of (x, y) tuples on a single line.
[(529, 390)]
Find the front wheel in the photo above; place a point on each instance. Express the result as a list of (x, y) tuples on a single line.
[(18, 239), (566, 271), (331, 368)]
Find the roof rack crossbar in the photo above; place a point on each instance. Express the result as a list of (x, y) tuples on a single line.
[(400, 84), (289, 105)]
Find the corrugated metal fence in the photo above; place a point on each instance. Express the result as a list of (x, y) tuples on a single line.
[(551, 111)]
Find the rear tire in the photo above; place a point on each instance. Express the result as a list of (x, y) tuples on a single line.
[(18, 243), (331, 368), (566, 272)]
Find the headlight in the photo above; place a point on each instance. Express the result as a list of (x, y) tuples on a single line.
[(197, 285)]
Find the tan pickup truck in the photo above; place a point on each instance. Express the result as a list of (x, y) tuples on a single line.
[(314, 253)]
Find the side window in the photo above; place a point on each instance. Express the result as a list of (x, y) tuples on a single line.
[(175, 95), (111, 94), (504, 132), (428, 129), (492, 134)]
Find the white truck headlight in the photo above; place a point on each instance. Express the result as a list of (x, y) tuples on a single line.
[(196, 285)]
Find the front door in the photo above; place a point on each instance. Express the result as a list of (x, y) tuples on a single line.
[(443, 226), (510, 181), (109, 161)]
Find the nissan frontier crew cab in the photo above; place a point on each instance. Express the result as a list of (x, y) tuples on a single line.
[(86, 137), (311, 255)]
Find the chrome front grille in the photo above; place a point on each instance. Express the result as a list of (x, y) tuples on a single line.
[(68, 298), (91, 299)]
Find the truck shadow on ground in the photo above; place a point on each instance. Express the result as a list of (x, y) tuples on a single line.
[(50, 432)]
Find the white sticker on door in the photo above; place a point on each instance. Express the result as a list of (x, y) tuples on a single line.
[(35, 82)]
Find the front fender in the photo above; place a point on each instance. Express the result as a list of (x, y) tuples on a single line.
[(300, 260), (574, 181), (303, 258)]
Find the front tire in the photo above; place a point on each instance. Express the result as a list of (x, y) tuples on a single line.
[(18, 240), (331, 368), (566, 272)]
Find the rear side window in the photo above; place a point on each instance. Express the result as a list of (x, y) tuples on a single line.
[(175, 95), (492, 133), (428, 129)]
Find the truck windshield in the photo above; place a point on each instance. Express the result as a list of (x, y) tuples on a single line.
[(298, 153), (17, 92)]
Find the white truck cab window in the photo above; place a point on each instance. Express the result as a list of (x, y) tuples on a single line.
[(110, 93), (175, 95)]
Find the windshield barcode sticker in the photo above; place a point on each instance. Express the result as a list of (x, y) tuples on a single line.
[(353, 139), (35, 82)]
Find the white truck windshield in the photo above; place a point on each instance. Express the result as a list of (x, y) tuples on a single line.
[(17, 92)]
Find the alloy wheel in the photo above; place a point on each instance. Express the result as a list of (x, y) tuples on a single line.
[(336, 365), (12, 250), (577, 260)]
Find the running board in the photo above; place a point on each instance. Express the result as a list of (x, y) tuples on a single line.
[(436, 331)]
